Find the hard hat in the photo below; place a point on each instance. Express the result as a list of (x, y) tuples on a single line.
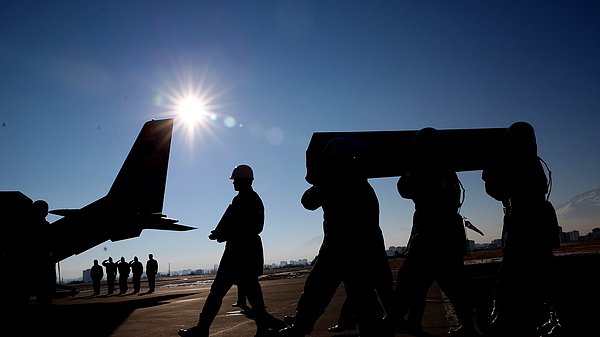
[(522, 132), (242, 172), (41, 206), (427, 136)]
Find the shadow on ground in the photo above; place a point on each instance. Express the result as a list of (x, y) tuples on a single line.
[(85, 319)]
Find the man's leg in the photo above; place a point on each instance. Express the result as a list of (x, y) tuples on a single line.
[(212, 305), (320, 286)]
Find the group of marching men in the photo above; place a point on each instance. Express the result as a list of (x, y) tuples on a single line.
[(524, 303)]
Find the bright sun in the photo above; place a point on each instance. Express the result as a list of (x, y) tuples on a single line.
[(191, 110)]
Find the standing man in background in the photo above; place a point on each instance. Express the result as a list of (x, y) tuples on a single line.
[(124, 270), (96, 273), (151, 271), (137, 269), (111, 274)]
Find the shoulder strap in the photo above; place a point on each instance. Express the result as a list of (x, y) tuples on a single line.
[(549, 177)]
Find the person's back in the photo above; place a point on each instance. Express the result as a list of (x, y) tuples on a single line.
[(96, 273), (41, 253), (151, 271), (137, 269), (437, 225), (124, 271), (111, 274)]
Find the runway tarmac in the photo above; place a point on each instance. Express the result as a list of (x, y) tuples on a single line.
[(178, 301), (176, 306)]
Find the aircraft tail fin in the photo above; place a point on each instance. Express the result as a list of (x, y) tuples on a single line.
[(141, 182)]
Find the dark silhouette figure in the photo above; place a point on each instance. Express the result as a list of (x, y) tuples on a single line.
[(437, 244), (524, 287), (111, 274), (350, 219), (241, 301), (242, 261), (151, 271), (96, 273), (346, 320), (124, 270), (44, 276), (137, 269)]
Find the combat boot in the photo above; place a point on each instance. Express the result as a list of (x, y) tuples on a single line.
[(195, 331), (291, 331)]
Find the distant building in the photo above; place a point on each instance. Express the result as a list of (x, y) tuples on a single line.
[(596, 234), (471, 245), (572, 236), (87, 276), (395, 251)]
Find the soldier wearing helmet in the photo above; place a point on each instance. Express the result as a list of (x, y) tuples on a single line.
[(437, 243), (516, 177), (242, 261), (44, 279), (350, 219)]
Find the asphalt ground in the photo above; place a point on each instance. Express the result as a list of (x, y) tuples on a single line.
[(176, 304), (178, 301)]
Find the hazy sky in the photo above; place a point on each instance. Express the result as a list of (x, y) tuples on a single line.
[(78, 79)]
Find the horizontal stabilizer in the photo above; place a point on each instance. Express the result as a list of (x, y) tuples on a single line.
[(161, 222), (65, 211), (172, 227)]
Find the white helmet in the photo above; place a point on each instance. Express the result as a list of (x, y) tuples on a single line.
[(242, 172)]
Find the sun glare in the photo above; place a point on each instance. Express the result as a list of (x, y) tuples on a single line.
[(193, 103), (191, 110)]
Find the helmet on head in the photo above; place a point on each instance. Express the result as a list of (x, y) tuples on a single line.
[(521, 138), (41, 207), (427, 137), (242, 172), (522, 132)]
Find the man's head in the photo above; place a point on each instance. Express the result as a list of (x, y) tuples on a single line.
[(428, 148), (40, 207), (521, 138), (242, 177)]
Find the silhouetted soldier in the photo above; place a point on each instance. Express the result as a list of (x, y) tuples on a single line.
[(45, 274), (437, 244), (242, 261), (350, 219), (137, 269), (529, 233), (111, 274), (241, 301), (346, 320), (151, 271), (96, 273), (124, 270)]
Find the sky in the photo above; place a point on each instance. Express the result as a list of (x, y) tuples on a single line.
[(78, 79)]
